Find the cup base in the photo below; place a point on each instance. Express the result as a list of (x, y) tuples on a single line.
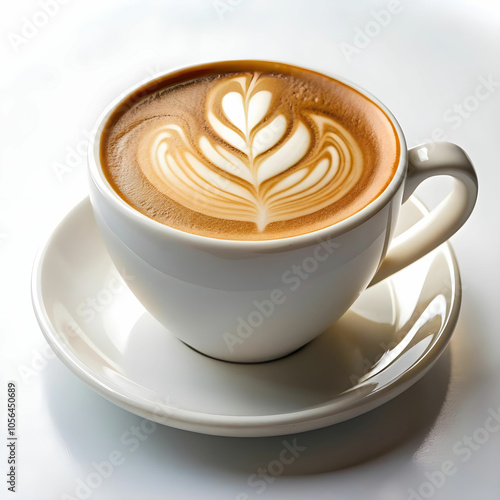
[(245, 362)]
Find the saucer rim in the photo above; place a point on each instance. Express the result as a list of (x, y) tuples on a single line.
[(242, 425)]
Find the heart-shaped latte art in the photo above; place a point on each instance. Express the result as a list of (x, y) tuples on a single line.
[(268, 165)]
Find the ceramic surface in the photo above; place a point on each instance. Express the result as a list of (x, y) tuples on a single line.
[(387, 340)]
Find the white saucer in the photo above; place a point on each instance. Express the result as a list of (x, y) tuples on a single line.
[(389, 338)]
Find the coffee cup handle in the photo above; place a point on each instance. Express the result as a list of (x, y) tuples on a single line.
[(424, 161)]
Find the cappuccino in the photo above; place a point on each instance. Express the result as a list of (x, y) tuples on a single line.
[(248, 150)]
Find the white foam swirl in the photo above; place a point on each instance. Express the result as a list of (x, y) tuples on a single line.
[(269, 164)]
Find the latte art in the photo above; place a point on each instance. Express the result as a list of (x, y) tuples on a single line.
[(263, 168), (248, 150)]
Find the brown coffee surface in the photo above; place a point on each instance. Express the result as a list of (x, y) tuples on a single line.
[(248, 150)]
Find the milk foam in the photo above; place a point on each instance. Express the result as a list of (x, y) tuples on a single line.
[(276, 165)]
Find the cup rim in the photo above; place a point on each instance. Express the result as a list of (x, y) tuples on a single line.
[(99, 180)]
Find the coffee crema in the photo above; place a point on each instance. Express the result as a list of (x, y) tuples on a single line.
[(248, 150)]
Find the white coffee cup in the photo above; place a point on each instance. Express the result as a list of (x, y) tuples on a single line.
[(252, 301)]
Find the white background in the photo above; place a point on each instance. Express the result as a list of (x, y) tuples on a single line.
[(55, 81)]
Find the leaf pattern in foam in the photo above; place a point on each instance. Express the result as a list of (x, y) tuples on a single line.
[(264, 167)]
